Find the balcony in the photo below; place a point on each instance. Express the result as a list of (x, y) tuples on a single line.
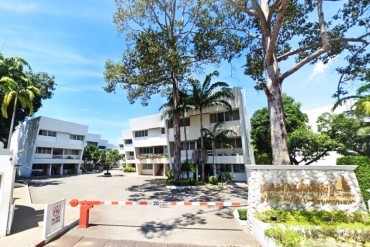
[(152, 158)]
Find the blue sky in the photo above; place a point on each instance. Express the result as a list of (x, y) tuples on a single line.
[(72, 40)]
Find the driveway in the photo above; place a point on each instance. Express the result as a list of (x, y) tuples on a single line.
[(197, 225)]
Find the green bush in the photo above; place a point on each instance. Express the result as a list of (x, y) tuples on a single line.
[(362, 172), (242, 213), (129, 169), (229, 176), (213, 180), (285, 238), (169, 174)]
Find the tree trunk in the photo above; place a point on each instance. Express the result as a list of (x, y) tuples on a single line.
[(279, 136), (177, 135), (214, 153), (12, 122), (185, 140), (202, 143)]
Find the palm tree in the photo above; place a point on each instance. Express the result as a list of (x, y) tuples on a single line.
[(206, 95), (184, 106), (362, 104), (18, 87), (218, 135)]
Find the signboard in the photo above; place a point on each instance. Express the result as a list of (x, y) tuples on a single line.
[(53, 217)]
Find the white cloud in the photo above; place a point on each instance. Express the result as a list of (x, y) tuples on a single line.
[(320, 68)]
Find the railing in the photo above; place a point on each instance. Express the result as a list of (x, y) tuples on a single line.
[(58, 156)]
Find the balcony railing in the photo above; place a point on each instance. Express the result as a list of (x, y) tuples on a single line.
[(151, 156), (58, 156)]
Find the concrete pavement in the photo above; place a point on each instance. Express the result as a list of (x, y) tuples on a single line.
[(134, 225)]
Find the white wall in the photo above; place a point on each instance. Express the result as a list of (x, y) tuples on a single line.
[(7, 173)]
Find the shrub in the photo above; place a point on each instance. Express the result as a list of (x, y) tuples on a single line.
[(242, 213), (169, 174), (229, 176), (362, 172), (285, 238), (129, 169), (213, 180)]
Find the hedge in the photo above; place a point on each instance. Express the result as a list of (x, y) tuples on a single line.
[(362, 172)]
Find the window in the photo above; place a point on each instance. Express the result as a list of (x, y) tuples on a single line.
[(92, 143), (183, 121), (148, 166), (163, 131), (141, 133), (47, 133), (225, 168), (43, 150), (102, 147), (224, 116), (76, 137), (239, 168), (121, 146), (128, 141), (146, 150), (191, 145), (71, 151)]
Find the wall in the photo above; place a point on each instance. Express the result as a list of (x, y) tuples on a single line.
[(309, 188), (7, 173)]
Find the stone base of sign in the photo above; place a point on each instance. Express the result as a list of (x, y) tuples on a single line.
[(310, 188)]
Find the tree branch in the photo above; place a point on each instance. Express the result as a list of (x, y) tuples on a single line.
[(276, 29), (301, 49), (242, 8), (324, 41)]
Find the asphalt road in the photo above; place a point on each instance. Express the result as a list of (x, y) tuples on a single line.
[(197, 225)]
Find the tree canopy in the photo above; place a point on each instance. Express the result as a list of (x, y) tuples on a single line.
[(305, 146), (278, 38), (44, 84)]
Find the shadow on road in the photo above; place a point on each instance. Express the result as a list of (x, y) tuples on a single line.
[(26, 218)]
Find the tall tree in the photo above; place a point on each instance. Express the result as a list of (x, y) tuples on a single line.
[(112, 157), (160, 52), (184, 105), (351, 132), (305, 146), (270, 33), (41, 81), (208, 94), (218, 135), (18, 87)]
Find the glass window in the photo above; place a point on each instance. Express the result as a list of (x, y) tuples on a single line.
[(128, 141), (47, 133), (192, 145), (225, 168), (239, 168), (121, 145), (76, 137), (213, 118), (43, 150), (147, 166), (163, 131), (220, 117), (141, 133), (238, 142), (236, 115)]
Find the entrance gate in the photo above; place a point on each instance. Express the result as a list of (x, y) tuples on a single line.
[(85, 206)]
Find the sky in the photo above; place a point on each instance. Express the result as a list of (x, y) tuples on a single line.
[(71, 40)]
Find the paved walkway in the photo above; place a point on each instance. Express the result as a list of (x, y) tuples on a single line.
[(28, 220)]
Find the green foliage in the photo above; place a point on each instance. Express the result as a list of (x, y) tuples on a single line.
[(351, 133), (302, 142), (317, 218), (362, 172), (129, 169), (169, 174), (111, 159), (243, 212), (213, 180), (16, 78), (229, 176), (285, 238)]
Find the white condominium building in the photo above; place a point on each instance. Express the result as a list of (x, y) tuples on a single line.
[(150, 141), (45, 146)]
